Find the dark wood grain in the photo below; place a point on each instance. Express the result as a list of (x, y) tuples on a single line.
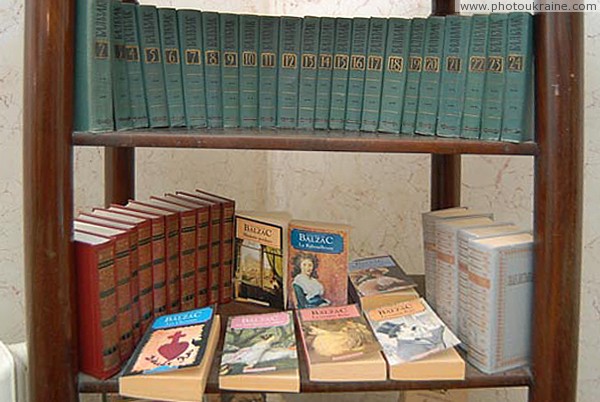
[(558, 205), (47, 206), (119, 175), (443, 7)]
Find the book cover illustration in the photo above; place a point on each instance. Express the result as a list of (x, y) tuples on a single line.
[(377, 275), (336, 333), (259, 343), (173, 341), (410, 330)]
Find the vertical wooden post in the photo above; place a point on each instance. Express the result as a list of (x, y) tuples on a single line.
[(558, 201), (119, 175), (48, 204)]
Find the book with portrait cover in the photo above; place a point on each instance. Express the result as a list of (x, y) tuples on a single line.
[(317, 264)]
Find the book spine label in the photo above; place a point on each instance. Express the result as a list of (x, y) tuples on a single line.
[(203, 243), (227, 233), (454, 74), (394, 75), (144, 248), (267, 73), (123, 279), (187, 260), (172, 267), (230, 69), (356, 74), (192, 67), (249, 35), (308, 72), (159, 268), (137, 91), (478, 48), (169, 39), (289, 68), (413, 76), (324, 72), (493, 94), (518, 95), (215, 255), (152, 66), (120, 89), (93, 79), (339, 78), (212, 69), (374, 74)]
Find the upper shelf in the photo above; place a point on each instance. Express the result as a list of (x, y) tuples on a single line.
[(299, 140)]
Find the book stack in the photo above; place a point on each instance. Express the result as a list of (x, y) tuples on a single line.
[(454, 76)]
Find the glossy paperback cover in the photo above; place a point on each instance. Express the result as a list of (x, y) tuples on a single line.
[(376, 275)]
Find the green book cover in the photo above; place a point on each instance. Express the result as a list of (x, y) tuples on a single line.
[(249, 35), (394, 75), (356, 74), (324, 72), (374, 74), (93, 79), (230, 69), (169, 40), (454, 74), (289, 72), (478, 47), (517, 124), (339, 78), (212, 69), (120, 82), (267, 73), (308, 72), (429, 87), (152, 66), (192, 68), (493, 93), (137, 91), (413, 76)]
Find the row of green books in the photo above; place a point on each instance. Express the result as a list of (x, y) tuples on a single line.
[(454, 76)]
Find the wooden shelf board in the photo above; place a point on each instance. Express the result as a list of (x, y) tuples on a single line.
[(299, 140)]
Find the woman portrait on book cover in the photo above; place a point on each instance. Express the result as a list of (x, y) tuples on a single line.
[(307, 287)]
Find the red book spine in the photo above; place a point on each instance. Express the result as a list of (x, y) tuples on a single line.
[(135, 285), (187, 259), (145, 279), (227, 233), (172, 255), (214, 269), (123, 275), (203, 241), (159, 267)]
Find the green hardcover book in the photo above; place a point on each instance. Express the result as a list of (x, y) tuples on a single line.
[(137, 91), (93, 79), (394, 75), (249, 35), (192, 68), (120, 83), (495, 79), (339, 78), (152, 66), (454, 74), (289, 72), (478, 47), (212, 69), (169, 40), (429, 88), (374, 74), (230, 69), (267, 73), (517, 124), (356, 75), (308, 72), (324, 72), (413, 76)]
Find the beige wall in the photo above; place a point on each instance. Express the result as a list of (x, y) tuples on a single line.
[(382, 196)]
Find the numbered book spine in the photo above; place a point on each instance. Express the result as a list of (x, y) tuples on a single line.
[(374, 74), (230, 69), (454, 74), (137, 91), (324, 72), (413, 77), (212, 69), (339, 78), (308, 72), (478, 47), (249, 35), (93, 79), (192, 67), (267, 73), (517, 125), (356, 75), (152, 66), (289, 71), (493, 95), (120, 83), (394, 75), (169, 39)]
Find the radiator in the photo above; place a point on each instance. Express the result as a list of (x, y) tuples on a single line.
[(13, 372)]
